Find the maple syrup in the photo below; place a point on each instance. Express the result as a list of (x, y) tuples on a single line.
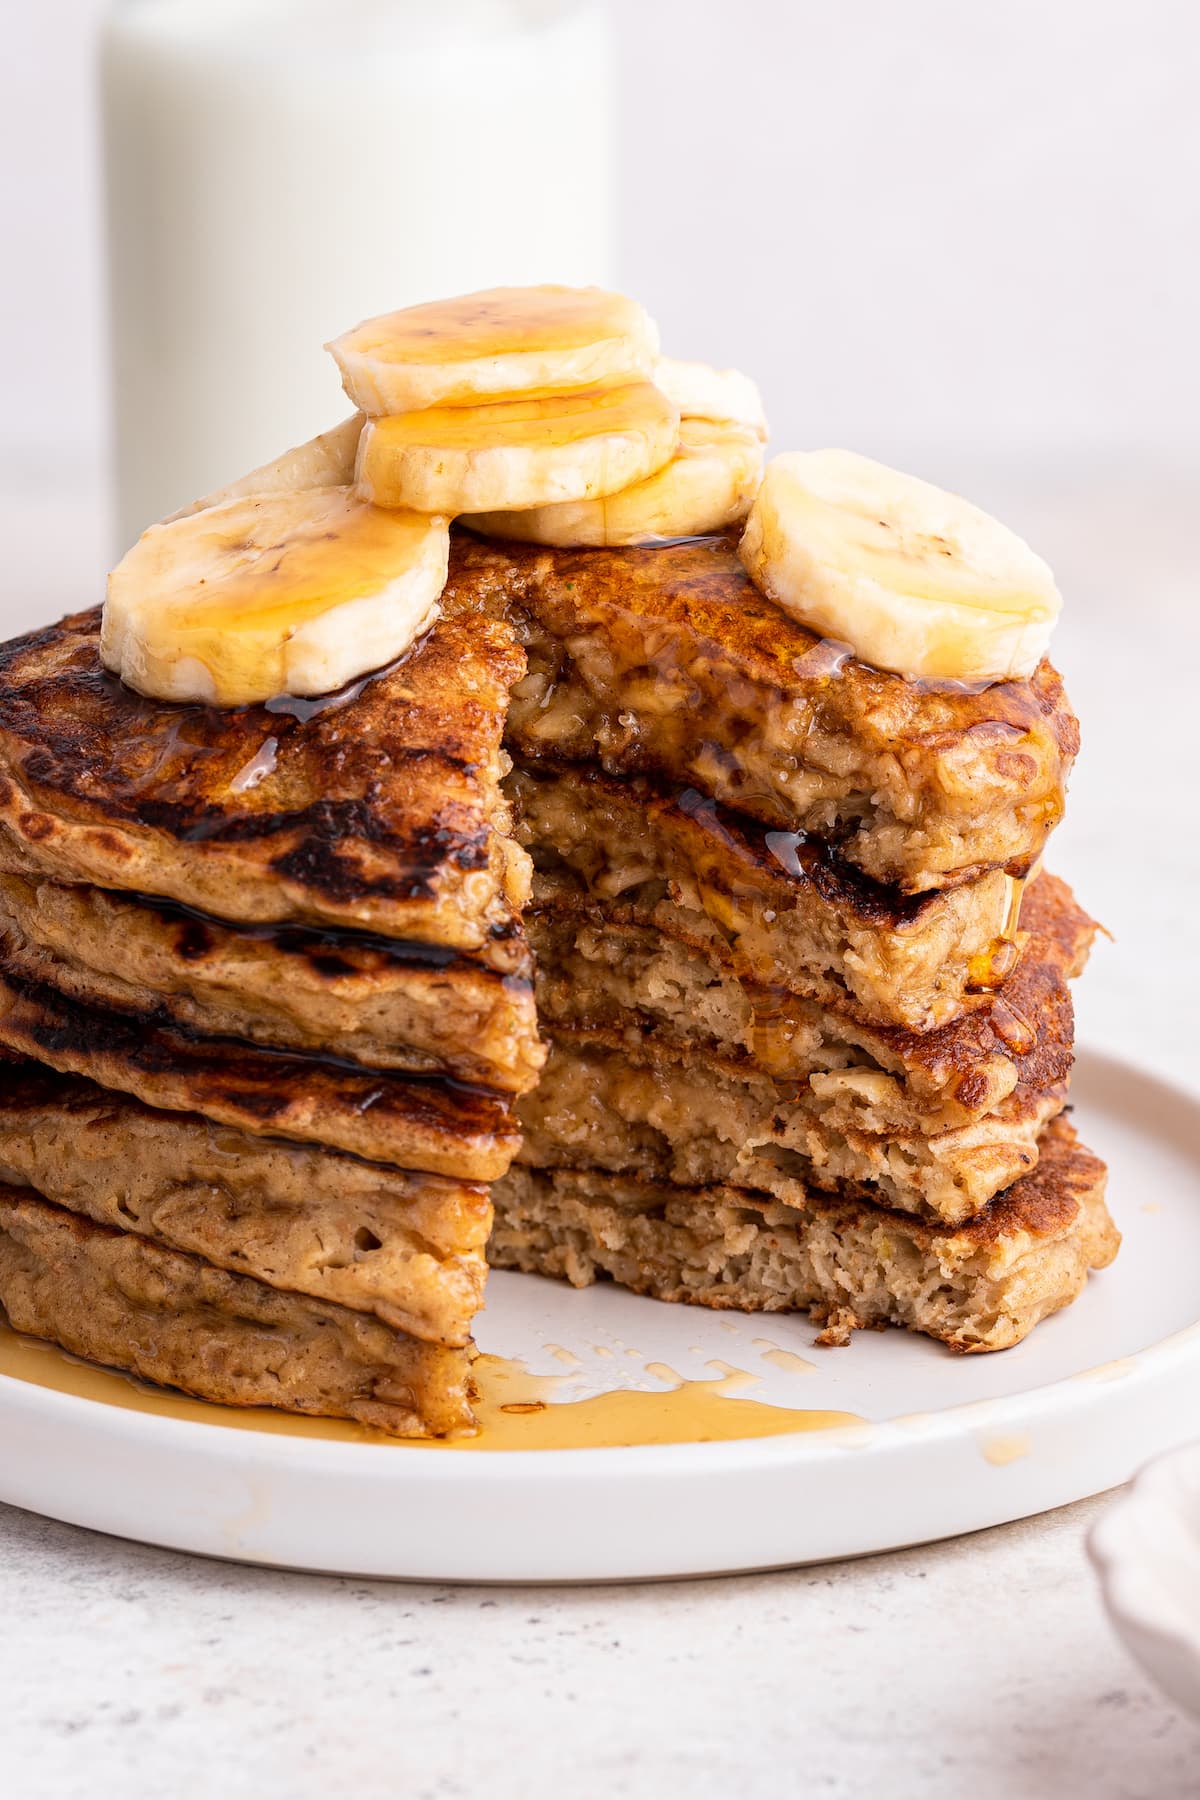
[(516, 1410), (989, 971), (273, 565), (496, 322), (537, 420)]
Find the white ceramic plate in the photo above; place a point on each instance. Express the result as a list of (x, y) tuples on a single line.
[(949, 1444)]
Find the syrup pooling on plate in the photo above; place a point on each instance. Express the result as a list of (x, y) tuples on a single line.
[(686, 1412), (516, 1410)]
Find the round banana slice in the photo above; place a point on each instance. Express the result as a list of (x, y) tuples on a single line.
[(274, 594), (324, 461), (914, 579), (502, 341), (700, 392), (707, 485), (520, 452)]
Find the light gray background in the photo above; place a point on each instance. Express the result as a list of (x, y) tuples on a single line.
[(930, 229)]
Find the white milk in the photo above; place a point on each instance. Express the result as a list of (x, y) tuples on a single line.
[(280, 169)]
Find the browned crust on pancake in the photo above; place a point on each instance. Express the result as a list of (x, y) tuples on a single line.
[(774, 908), (382, 813), (423, 1009), (631, 986), (406, 1247), (978, 1287), (703, 1122), (432, 1124), (1029, 1021), (667, 660), (1046, 1203), (120, 1300)]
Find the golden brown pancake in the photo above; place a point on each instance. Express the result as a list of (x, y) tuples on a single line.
[(406, 1247), (379, 810), (668, 661), (420, 1008), (982, 1285), (272, 964), (115, 1298), (426, 1123), (636, 987)]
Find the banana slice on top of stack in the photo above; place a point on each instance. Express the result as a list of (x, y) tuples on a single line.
[(547, 415), (273, 593), (538, 413), (707, 485), (722, 396), (513, 398), (914, 579), (329, 562), (522, 451), (501, 342)]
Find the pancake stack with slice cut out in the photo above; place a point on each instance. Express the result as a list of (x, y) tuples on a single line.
[(752, 772)]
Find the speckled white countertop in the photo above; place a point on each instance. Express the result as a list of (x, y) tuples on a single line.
[(981, 1666)]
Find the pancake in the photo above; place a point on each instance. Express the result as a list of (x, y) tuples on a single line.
[(114, 1298), (666, 660), (406, 1247), (979, 1286), (426, 1123), (644, 990), (415, 1007), (699, 1121), (770, 907), (378, 810)]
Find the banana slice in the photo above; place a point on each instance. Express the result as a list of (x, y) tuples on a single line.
[(324, 461), (273, 594), (503, 341), (913, 578), (700, 392), (517, 452), (708, 484)]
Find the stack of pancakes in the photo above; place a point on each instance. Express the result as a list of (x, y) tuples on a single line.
[(267, 990), (265, 1004), (810, 1028)]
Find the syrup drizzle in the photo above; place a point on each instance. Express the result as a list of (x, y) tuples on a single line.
[(516, 1410), (990, 970)]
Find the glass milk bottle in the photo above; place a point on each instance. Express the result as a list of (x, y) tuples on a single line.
[(280, 169)]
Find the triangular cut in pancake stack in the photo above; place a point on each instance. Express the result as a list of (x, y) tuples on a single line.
[(788, 1067), (624, 926)]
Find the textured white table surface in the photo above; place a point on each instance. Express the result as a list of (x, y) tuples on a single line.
[(980, 1666)]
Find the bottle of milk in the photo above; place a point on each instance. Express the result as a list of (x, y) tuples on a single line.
[(280, 169)]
